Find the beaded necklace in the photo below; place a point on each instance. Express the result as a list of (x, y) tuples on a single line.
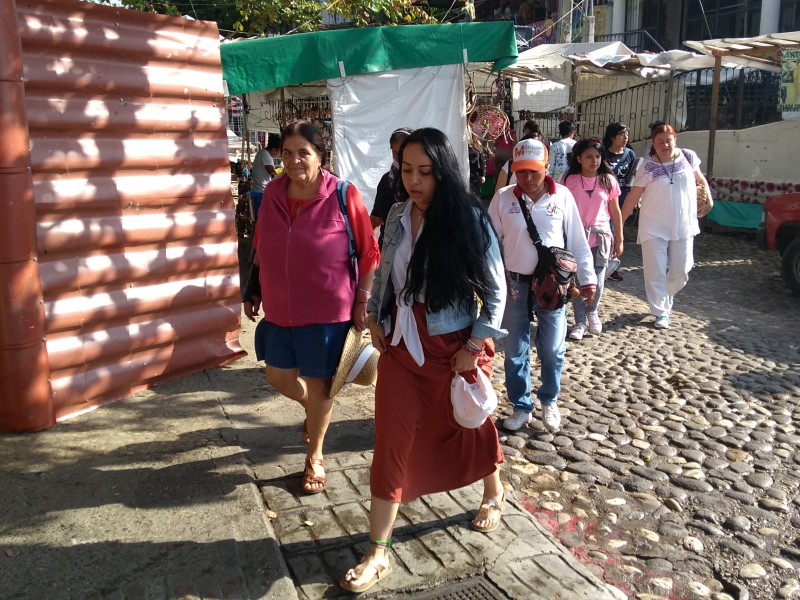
[(585, 189), (671, 174)]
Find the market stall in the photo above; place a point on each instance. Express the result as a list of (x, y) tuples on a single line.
[(377, 79)]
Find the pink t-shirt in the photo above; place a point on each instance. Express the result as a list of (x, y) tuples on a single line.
[(592, 200)]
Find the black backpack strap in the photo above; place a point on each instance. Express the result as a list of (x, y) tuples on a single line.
[(341, 194)]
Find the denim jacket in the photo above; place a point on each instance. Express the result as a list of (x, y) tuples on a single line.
[(484, 325)]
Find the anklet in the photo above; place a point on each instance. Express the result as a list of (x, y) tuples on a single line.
[(381, 543)]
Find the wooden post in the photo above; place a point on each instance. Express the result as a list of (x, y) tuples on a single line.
[(712, 127)]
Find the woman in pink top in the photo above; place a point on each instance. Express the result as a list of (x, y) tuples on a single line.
[(306, 285), (596, 190)]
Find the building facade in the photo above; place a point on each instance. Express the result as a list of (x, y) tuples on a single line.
[(667, 22)]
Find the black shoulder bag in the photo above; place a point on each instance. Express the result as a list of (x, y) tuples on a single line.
[(553, 282)]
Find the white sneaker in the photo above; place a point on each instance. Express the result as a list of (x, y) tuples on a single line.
[(517, 420), (662, 322), (551, 417), (595, 325), (578, 332)]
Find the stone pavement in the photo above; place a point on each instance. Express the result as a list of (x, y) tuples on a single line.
[(676, 474), (191, 490), (678, 455)]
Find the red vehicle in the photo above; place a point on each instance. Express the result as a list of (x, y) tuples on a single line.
[(780, 232)]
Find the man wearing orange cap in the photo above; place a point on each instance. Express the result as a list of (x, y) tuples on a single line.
[(558, 223)]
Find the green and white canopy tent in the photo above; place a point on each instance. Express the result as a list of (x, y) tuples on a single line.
[(378, 79)]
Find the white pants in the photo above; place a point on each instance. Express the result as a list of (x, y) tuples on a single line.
[(666, 271)]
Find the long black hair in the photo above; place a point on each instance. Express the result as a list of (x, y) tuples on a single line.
[(448, 263), (604, 172)]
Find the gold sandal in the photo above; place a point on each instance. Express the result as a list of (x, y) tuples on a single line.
[(310, 478), (490, 510), (381, 571)]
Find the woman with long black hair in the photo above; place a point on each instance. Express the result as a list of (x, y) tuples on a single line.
[(437, 301)]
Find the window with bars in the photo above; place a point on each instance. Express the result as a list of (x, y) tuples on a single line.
[(721, 18), (790, 15)]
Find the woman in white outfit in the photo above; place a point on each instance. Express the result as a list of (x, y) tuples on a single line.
[(666, 184)]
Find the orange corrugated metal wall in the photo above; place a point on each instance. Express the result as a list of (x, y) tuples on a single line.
[(136, 240)]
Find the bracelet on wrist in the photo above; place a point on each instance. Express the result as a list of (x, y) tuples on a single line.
[(473, 348), (471, 351), (367, 292)]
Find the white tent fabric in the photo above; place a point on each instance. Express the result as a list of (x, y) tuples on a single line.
[(366, 109), (555, 61)]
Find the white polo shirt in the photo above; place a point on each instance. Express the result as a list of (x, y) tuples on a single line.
[(554, 214)]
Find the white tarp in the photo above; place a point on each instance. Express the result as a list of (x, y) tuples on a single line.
[(555, 62), (366, 109)]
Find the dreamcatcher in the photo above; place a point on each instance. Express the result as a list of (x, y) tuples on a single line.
[(487, 123)]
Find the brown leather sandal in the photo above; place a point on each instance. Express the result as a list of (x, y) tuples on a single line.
[(376, 569), (311, 479), (490, 510)]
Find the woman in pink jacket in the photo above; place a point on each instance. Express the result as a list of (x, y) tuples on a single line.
[(312, 292)]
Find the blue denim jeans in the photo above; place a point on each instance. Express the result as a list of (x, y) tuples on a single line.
[(550, 343), (579, 306)]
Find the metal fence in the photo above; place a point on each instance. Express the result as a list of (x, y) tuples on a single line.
[(636, 107), (748, 97)]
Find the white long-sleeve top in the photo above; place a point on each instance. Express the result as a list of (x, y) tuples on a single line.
[(406, 325), (554, 214)]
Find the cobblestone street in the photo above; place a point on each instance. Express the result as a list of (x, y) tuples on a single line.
[(676, 471)]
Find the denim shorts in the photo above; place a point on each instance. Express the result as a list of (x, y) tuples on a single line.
[(314, 350)]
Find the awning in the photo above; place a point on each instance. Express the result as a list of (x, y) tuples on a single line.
[(762, 52), (555, 61), (275, 62)]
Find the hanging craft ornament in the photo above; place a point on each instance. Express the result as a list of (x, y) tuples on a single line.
[(487, 123)]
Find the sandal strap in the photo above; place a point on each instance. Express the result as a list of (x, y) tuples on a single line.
[(316, 461), (494, 502), (381, 543)]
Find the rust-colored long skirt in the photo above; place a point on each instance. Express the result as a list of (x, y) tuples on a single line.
[(419, 447)]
